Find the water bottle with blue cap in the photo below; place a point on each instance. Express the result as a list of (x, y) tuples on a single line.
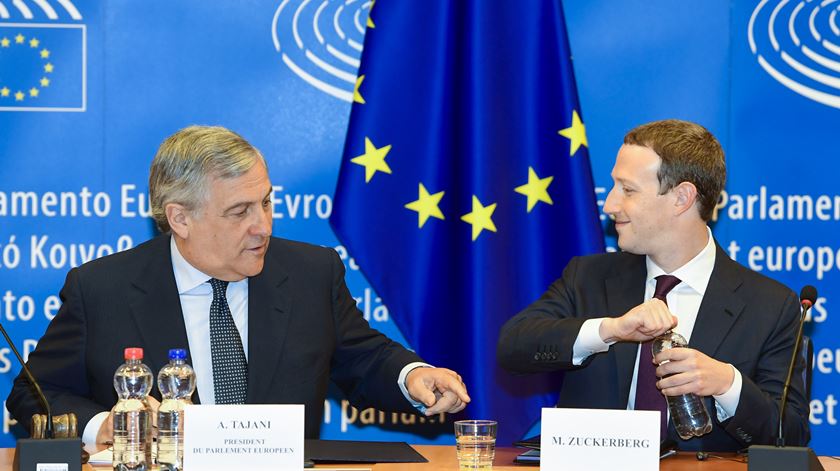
[(176, 382)]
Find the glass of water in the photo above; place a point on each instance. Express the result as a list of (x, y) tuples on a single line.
[(475, 444)]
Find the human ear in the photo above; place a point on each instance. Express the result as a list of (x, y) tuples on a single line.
[(178, 218), (686, 196)]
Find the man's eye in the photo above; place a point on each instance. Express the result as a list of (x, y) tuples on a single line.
[(266, 203)]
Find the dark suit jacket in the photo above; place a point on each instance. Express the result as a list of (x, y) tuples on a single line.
[(745, 319), (303, 330)]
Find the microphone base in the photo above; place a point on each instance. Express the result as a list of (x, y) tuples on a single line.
[(30, 452), (771, 458)]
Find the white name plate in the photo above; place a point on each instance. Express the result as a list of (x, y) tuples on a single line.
[(587, 439), (252, 437)]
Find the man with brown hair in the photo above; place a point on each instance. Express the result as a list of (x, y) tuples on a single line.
[(595, 323)]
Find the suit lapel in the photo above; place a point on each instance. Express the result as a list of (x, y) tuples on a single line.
[(156, 307), (720, 307), (269, 313), (625, 291)]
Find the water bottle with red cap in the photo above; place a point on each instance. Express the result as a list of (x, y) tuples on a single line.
[(132, 415)]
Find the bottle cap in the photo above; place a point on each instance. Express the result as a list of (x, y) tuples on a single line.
[(133, 353), (177, 354)]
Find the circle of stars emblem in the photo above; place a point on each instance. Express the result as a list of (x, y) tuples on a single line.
[(32, 45)]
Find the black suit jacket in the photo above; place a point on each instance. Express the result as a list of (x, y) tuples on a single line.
[(303, 330), (745, 319)]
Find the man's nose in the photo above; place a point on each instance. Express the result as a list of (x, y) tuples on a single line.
[(262, 226), (611, 203)]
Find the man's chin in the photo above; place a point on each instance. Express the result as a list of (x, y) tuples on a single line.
[(254, 269), (628, 247)]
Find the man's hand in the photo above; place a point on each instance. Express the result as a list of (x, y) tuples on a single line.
[(154, 405), (693, 372), (640, 324), (105, 435), (439, 389)]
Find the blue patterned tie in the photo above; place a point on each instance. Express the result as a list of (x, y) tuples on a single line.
[(230, 369), (648, 396)]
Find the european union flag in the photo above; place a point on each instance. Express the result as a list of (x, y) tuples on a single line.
[(465, 185), (42, 67)]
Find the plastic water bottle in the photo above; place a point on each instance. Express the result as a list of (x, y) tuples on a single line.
[(691, 419), (132, 431), (176, 382)]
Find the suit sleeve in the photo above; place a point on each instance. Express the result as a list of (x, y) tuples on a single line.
[(541, 337), (58, 363), (366, 364), (757, 416)]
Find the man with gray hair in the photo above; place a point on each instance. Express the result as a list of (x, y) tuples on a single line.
[(266, 320)]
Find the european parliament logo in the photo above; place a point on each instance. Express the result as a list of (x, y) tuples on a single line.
[(798, 44), (42, 63), (324, 44)]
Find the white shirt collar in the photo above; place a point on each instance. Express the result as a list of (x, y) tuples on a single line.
[(187, 277), (696, 273)]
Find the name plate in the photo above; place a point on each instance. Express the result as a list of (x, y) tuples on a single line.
[(587, 439), (252, 437)]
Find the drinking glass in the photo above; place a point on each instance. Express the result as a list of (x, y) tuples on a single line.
[(475, 444)]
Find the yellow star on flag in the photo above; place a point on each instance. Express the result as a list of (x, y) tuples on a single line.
[(357, 97), (45, 53), (5, 42), (576, 133), (45, 82), (33, 92), (4, 92), (33, 43), (19, 96), (19, 38), (536, 189), (480, 218), (373, 160), (426, 206), (48, 67), (370, 20)]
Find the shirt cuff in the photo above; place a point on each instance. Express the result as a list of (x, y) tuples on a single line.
[(726, 404), (588, 341), (92, 428), (401, 382)]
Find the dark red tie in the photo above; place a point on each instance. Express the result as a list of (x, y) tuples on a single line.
[(648, 396)]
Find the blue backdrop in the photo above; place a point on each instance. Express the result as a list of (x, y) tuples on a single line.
[(88, 90)]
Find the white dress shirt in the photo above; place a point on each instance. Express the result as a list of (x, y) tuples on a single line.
[(196, 295), (684, 302)]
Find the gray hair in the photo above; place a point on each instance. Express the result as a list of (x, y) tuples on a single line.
[(188, 159)]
